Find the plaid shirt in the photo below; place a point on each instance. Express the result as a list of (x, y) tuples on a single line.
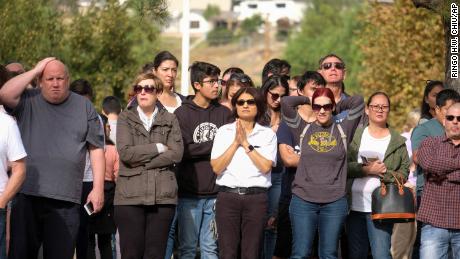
[(440, 205)]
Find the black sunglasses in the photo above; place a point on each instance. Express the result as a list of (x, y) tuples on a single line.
[(275, 96), (326, 107), (337, 65), (240, 77), (250, 102), (147, 88), (452, 117)]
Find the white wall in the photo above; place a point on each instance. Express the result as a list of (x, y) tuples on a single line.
[(275, 10), (176, 5), (175, 25)]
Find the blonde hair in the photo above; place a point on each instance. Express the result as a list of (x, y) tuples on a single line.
[(411, 120)]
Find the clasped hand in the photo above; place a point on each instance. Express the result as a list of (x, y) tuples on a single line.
[(240, 135)]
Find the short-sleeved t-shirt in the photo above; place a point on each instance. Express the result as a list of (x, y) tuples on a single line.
[(56, 138), (322, 171), (11, 148), (286, 136)]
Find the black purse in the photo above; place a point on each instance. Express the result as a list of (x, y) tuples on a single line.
[(393, 203)]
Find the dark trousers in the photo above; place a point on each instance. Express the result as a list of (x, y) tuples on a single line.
[(416, 249), (104, 243), (143, 230), (284, 232), (240, 221), (36, 220), (82, 238)]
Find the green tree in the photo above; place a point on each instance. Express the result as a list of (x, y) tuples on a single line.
[(154, 10), (402, 47), (250, 25), (442, 8), (31, 30), (107, 47), (328, 26), (219, 36), (211, 11)]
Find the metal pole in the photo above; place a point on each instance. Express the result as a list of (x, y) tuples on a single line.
[(267, 50), (185, 47)]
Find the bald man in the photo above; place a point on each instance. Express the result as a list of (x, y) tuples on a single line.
[(15, 67), (57, 128)]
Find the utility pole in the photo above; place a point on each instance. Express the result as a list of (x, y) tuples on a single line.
[(267, 51), (185, 47)]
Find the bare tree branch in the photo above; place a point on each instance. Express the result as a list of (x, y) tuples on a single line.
[(434, 5), (442, 7)]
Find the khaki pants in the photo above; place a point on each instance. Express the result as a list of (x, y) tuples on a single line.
[(403, 239)]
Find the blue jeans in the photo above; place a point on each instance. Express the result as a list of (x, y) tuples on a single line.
[(308, 217), (171, 237), (194, 217), (435, 242), (361, 230), (273, 201)]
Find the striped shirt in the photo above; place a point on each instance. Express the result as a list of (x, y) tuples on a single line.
[(440, 160)]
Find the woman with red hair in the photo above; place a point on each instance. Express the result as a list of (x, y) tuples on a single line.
[(319, 200)]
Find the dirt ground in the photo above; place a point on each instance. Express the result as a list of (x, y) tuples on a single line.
[(248, 55)]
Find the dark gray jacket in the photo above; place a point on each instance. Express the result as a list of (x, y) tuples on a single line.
[(146, 177)]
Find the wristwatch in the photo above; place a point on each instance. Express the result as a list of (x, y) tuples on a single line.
[(250, 148)]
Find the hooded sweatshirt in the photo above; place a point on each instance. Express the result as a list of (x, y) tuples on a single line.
[(199, 126)]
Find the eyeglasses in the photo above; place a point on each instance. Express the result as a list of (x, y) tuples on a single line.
[(452, 117), (376, 108), (250, 102), (212, 81), (327, 107), (147, 88), (275, 96), (337, 65)]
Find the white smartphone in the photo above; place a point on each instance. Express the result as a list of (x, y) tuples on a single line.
[(89, 208)]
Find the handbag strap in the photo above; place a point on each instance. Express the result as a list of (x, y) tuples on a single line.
[(398, 183)]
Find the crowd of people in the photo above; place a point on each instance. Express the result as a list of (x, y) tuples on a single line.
[(284, 170)]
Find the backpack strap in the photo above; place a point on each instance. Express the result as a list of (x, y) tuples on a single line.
[(304, 131), (343, 136)]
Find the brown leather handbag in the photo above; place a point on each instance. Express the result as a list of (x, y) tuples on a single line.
[(393, 203)]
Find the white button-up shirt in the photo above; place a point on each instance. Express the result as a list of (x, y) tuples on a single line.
[(242, 172), (147, 121)]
